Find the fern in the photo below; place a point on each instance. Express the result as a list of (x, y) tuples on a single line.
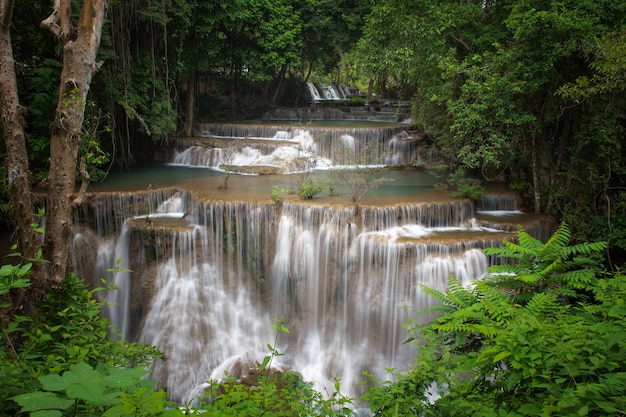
[(542, 304), (537, 267)]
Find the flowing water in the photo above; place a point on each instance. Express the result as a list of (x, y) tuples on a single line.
[(212, 267)]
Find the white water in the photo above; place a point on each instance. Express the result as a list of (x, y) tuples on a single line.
[(296, 149), (328, 92), (341, 288), (299, 154), (209, 277)]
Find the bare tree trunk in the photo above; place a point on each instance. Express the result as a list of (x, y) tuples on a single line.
[(80, 45), (21, 205), (190, 103)]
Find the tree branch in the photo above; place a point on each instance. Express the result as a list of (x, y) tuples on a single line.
[(60, 20), (52, 22)]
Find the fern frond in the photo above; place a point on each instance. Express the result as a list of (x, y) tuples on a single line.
[(464, 296), (579, 279), (542, 304), (561, 237), (550, 269), (527, 241), (503, 269), (509, 250), (437, 295), (587, 248), (529, 278), (483, 330)]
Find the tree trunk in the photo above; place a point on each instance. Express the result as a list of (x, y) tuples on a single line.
[(21, 206), (80, 46), (536, 182), (189, 103), (279, 87), (370, 89)]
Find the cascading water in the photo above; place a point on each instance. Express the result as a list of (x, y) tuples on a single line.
[(208, 276), (294, 148)]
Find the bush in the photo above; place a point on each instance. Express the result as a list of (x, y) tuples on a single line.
[(66, 329), (278, 193), (309, 189), (543, 335)]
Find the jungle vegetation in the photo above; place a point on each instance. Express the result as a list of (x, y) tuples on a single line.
[(528, 91)]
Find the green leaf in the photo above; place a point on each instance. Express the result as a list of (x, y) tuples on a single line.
[(122, 378), (6, 270), (90, 391), (46, 413), (502, 355), (115, 411), (35, 401), (54, 382), (25, 269)]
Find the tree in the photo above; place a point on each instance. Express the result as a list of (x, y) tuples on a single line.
[(361, 169), (21, 205), (499, 85), (512, 344), (79, 42)]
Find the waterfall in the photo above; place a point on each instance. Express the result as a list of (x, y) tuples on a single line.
[(328, 92), (500, 201), (288, 146), (315, 95), (201, 278), (204, 288), (345, 286), (198, 318)]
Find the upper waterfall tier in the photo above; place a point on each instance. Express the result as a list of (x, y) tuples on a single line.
[(296, 148)]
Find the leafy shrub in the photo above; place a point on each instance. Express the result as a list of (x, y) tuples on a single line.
[(309, 189), (278, 193), (64, 330), (542, 335), (109, 391)]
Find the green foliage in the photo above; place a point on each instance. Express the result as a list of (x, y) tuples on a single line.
[(568, 271), (148, 102), (278, 193), (96, 124), (309, 189), (458, 181), (64, 329), (41, 99), (107, 391), (533, 90), (274, 393), (500, 348)]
